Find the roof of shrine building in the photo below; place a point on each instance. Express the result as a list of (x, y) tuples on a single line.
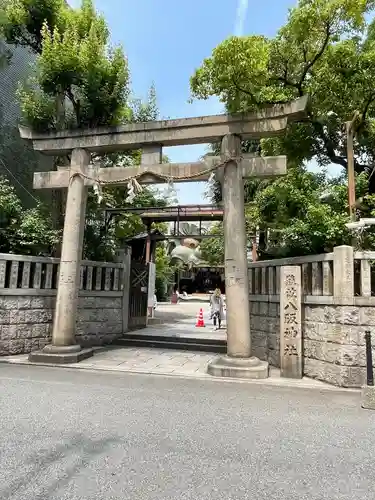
[(269, 121), (154, 233)]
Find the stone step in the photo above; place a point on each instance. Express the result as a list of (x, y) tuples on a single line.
[(155, 321), (169, 342), (176, 338)]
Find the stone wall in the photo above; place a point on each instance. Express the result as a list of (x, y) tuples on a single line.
[(26, 321), (28, 296), (334, 344), (333, 339), (338, 306), (265, 331)]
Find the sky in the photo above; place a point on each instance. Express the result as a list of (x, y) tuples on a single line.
[(167, 40)]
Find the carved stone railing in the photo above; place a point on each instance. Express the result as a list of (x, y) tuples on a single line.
[(364, 274), (19, 273), (28, 289), (343, 276), (317, 276)]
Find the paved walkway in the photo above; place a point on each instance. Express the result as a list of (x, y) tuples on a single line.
[(169, 363), (179, 321)]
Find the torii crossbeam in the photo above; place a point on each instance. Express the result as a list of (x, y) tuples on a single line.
[(251, 166), (151, 137)]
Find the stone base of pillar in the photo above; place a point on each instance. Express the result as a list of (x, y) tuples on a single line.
[(368, 397), (249, 368), (61, 355)]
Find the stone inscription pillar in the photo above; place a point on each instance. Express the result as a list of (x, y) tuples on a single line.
[(64, 348), (238, 363), (291, 355), (343, 272)]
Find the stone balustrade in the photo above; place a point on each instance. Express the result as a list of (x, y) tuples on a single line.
[(22, 272), (28, 294), (338, 306), (364, 274), (317, 275)]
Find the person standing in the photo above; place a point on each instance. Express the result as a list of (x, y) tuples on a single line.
[(217, 306)]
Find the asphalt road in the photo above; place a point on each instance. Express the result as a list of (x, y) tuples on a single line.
[(82, 435)]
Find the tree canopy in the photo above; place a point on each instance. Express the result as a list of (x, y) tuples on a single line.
[(80, 80), (290, 214), (24, 231), (75, 63), (325, 50)]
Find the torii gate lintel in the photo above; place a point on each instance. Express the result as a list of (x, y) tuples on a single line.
[(266, 122)]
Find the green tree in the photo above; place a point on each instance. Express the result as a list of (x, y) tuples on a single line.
[(80, 81), (24, 231), (326, 50), (213, 248), (22, 20), (290, 213), (75, 61), (101, 242), (165, 272)]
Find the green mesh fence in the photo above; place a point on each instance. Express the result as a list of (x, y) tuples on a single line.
[(18, 161)]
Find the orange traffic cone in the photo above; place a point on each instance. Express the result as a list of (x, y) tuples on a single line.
[(200, 320)]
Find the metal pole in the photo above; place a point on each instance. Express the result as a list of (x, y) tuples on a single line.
[(351, 173), (369, 367)]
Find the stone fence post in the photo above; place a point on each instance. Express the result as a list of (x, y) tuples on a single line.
[(125, 257), (343, 272), (291, 355)]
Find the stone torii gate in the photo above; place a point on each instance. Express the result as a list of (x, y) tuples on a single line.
[(151, 137)]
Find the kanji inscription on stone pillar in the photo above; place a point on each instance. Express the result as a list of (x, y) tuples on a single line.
[(290, 322)]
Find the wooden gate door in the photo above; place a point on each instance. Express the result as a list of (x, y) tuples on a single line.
[(138, 295)]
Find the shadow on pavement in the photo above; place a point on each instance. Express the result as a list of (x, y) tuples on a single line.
[(50, 467)]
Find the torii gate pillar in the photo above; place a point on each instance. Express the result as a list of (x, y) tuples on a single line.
[(238, 362), (64, 348)]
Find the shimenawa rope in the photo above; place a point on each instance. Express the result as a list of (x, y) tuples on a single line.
[(133, 185)]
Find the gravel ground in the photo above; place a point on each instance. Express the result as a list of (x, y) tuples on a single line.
[(69, 434)]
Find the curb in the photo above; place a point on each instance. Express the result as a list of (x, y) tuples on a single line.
[(269, 382)]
